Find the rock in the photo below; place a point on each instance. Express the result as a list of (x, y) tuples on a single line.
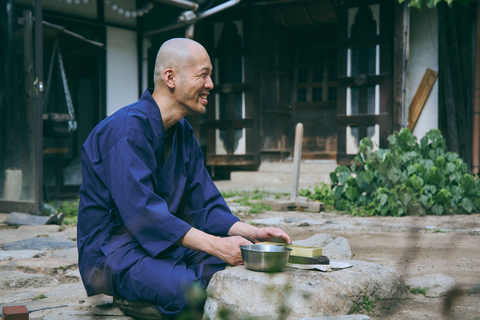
[(438, 284), (76, 291), (71, 253), (334, 247), (16, 296), (17, 279), (20, 254), (41, 265), (25, 219), (269, 221), (26, 232), (347, 317), (39, 244), (73, 274), (303, 293)]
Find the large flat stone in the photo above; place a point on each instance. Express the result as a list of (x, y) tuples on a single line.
[(26, 232), (20, 254), (39, 244), (40, 265), (17, 279), (437, 285), (301, 293)]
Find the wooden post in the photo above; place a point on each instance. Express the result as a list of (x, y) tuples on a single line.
[(297, 157)]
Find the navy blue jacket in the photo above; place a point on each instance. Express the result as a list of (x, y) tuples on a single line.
[(130, 196)]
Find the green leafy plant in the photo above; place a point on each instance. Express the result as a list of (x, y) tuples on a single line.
[(253, 199), (367, 304), (39, 297), (433, 3), (417, 290), (408, 178)]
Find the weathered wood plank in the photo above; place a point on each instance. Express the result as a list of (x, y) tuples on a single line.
[(420, 97)]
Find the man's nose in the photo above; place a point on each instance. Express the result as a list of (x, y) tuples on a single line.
[(209, 83)]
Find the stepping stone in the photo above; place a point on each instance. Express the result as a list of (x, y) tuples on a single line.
[(25, 219), (17, 280), (39, 244)]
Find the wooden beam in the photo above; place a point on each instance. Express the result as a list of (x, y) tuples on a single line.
[(421, 97)]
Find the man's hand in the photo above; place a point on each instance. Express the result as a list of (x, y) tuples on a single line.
[(228, 249), (271, 234), (255, 234)]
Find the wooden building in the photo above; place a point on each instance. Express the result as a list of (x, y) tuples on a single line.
[(346, 69)]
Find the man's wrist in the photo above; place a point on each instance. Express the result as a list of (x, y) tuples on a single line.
[(242, 229)]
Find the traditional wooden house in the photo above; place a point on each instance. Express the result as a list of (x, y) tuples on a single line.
[(345, 69)]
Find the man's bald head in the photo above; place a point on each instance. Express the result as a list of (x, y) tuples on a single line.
[(177, 54)]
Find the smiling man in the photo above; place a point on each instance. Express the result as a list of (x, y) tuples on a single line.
[(151, 223)]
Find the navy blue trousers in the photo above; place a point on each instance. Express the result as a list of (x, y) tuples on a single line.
[(162, 281)]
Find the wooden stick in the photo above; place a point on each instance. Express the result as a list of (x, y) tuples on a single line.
[(297, 157)]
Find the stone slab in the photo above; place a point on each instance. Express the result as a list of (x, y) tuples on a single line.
[(17, 279), (25, 219), (39, 244), (438, 284), (303, 293), (26, 232), (21, 254), (40, 265)]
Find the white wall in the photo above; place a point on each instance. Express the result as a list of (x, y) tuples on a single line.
[(122, 69), (423, 54)]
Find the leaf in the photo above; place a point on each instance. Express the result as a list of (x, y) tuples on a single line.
[(343, 173), (443, 196), (351, 193), (467, 205), (451, 156), (431, 189), (450, 168), (338, 192), (467, 183), (437, 209)]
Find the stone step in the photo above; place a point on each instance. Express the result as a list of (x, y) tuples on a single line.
[(275, 173)]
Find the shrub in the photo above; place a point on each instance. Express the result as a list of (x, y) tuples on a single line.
[(408, 178)]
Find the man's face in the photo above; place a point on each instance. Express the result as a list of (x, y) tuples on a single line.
[(195, 83)]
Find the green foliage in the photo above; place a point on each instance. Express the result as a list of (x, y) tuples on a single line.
[(367, 304), (253, 199), (408, 178), (322, 192), (39, 297), (70, 210), (418, 290), (433, 3)]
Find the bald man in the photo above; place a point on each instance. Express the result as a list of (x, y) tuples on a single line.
[(151, 223)]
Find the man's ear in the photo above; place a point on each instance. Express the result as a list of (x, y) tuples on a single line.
[(168, 77)]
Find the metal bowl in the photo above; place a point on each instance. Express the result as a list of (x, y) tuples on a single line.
[(266, 258)]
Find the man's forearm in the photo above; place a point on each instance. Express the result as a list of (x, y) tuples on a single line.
[(197, 240), (244, 230)]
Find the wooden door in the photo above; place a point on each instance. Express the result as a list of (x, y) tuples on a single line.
[(364, 105), (315, 97)]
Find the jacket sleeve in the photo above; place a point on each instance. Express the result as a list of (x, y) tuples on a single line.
[(130, 168), (204, 208)]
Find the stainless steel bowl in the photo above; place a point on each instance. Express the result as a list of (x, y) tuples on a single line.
[(266, 258)]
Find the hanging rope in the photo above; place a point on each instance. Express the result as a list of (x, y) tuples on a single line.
[(72, 122)]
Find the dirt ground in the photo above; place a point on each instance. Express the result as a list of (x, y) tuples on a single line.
[(447, 245)]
